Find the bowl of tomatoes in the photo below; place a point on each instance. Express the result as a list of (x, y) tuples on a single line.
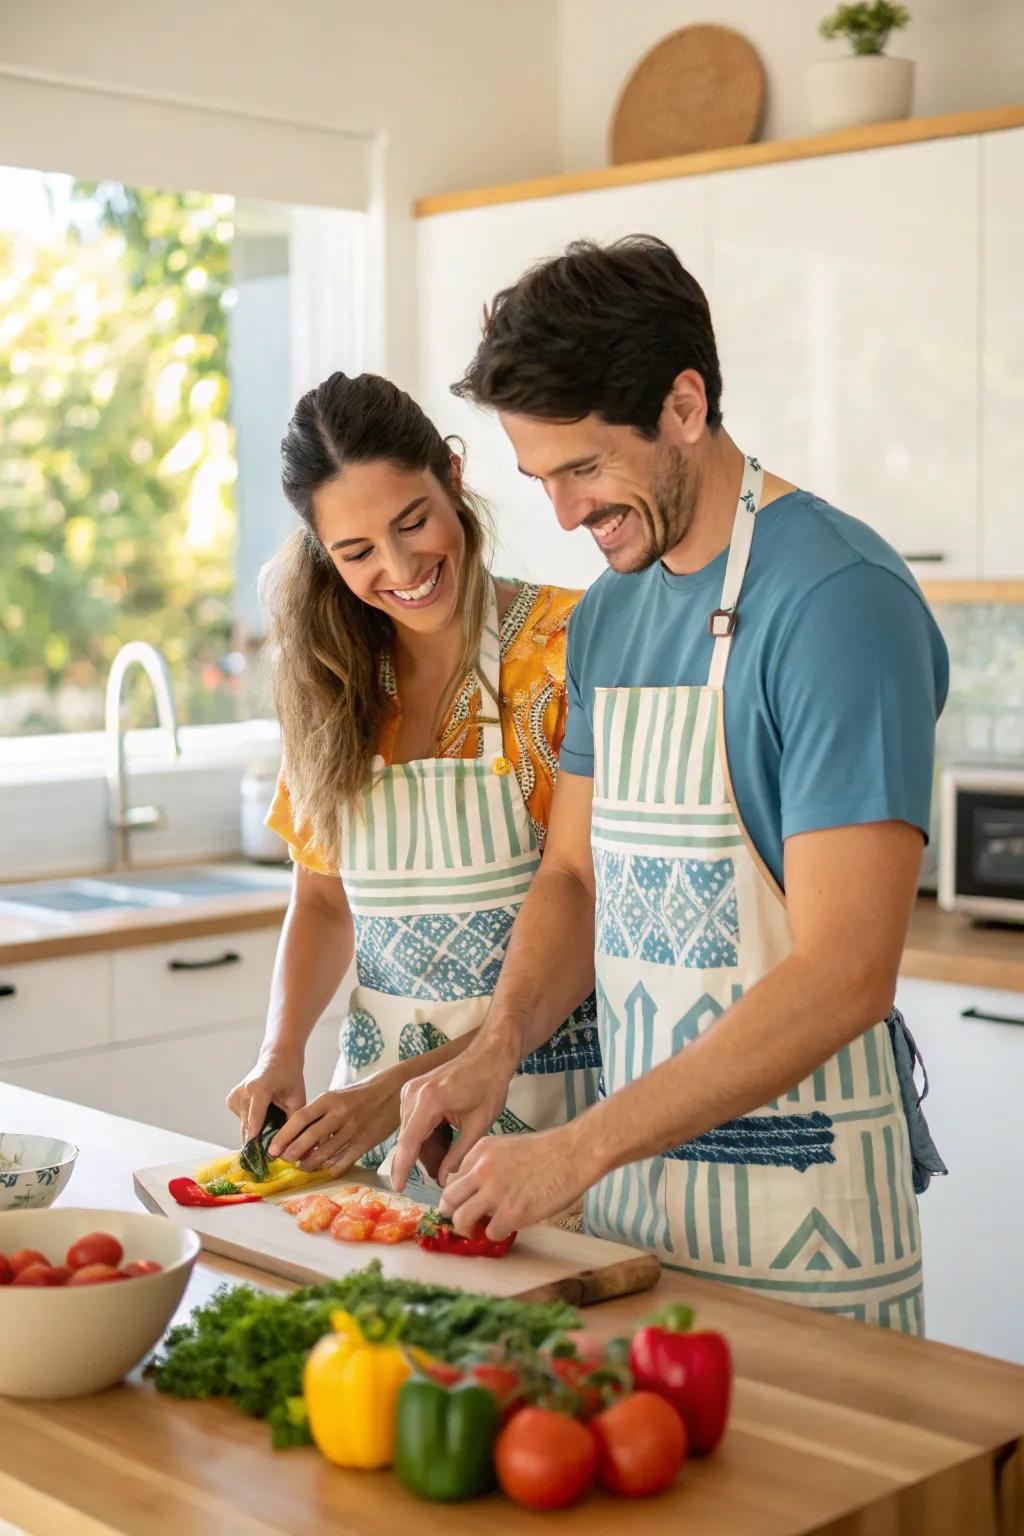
[(84, 1296)]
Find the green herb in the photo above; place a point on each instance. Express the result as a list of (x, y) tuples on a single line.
[(221, 1187), (250, 1347), (255, 1155)]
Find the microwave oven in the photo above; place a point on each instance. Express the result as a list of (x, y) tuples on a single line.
[(981, 843)]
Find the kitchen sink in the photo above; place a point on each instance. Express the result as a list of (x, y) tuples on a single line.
[(65, 900)]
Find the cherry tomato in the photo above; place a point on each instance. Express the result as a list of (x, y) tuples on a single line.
[(95, 1274), (573, 1372), (26, 1256), (505, 1384), (445, 1375), (641, 1443), (141, 1267), (6, 1272), (61, 1274), (544, 1459), (36, 1274), (95, 1248)]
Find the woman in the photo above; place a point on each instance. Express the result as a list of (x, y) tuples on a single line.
[(422, 705)]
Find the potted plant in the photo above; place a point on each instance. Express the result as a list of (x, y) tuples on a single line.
[(869, 86)]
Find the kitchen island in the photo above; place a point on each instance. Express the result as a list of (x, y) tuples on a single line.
[(836, 1428)]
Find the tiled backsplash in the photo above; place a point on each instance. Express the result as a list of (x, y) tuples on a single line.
[(984, 716)]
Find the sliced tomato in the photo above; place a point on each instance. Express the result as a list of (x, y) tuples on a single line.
[(349, 1229), (95, 1274), (95, 1248), (36, 1274), (26, 1256), (142, 1267), (387, 1231), (371, 1206), (318, 1214)]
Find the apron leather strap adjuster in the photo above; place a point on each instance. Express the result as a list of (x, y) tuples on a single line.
[(722, 623)]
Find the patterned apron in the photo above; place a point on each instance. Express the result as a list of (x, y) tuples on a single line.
[(809, 1197), (435, 870)]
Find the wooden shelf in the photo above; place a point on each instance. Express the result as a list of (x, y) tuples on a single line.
[(911, 130)]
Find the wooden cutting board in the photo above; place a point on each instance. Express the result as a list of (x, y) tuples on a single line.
[(545, 1262)]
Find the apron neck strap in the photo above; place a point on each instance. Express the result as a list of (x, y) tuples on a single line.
[(489, 668), (722, 622)]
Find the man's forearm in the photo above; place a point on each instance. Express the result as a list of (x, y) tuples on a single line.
[(778, 1033), (549, 967)]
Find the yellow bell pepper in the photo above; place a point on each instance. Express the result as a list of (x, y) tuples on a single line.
[(351, 1391), (282, 1175)]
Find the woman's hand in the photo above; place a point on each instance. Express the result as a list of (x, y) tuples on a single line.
[(337, 1127), (276, 1078)]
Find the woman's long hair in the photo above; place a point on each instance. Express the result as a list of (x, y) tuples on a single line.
[(326, 644)]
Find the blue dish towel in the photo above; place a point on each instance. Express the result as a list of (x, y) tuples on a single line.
[(924, 1154)]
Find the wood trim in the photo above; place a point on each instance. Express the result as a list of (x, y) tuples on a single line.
[(911, 130), (160, 929), (973, 591)]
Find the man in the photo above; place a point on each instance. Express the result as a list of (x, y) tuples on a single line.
[(751, 1128)]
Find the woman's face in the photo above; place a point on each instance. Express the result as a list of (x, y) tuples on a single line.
[(396, 541)]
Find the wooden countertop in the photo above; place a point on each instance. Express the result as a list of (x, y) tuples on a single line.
[(940, 945), (838, 1428)]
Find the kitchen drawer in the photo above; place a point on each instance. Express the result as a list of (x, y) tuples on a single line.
[(54, 1006), (192, 984)]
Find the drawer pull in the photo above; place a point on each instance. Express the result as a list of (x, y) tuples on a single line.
[(6, 990), (924, 557), (991, 1018), (229, 957)]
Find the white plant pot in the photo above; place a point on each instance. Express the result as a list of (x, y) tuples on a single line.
[(864, 88)]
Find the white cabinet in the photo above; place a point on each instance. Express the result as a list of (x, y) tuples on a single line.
[(845, 298), (1003, 356), (50, 1006), (159, 1033), (972, 1222), (464, 259)]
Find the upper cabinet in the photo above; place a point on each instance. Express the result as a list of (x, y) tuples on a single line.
[(845, 298), (464, 259), (870, 323), (1002, 450)]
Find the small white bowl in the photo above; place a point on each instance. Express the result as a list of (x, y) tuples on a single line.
[(68, 1340), (33, 1170)]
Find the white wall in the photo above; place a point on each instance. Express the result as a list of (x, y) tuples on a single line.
[(461, 95), (968, 54)]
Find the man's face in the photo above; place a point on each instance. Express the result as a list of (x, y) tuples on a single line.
[(634, 496)]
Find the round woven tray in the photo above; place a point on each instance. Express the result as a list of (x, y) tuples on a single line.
[(699, 88)]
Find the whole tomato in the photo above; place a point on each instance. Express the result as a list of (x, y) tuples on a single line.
[(26, 1256), (6, 1272), (95, 1274), (544, 1459), (641, 1442), (37, 1274), (95, 1248), (141, 1267)]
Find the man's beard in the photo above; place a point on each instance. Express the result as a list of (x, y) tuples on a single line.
[(666, 516)]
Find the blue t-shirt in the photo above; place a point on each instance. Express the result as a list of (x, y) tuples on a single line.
[(836, 677)]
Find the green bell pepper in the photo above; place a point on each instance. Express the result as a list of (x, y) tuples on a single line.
[(444, 1438)]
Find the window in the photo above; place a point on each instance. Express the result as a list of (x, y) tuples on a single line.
[(151, 348)]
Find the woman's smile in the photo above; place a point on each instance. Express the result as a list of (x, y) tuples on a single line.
[(422, 595)]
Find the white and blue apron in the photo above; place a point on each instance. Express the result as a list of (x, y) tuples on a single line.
[(435, 868), (808, 1198)]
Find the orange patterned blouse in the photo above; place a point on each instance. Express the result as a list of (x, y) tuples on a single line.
[(533, 706)]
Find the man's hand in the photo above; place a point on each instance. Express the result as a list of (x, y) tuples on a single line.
[(517, 1180), (468, 1094)]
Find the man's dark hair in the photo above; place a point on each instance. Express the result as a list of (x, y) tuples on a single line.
[(602, 329)]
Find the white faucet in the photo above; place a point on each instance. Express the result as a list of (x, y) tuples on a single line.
[(122, 820)]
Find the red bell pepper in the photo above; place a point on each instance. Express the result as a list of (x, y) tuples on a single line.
[(436, 1234), (188, 1192), (693, 1371)]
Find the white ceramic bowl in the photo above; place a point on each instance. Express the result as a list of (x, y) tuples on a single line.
[(33, 1170), (65, 1341)]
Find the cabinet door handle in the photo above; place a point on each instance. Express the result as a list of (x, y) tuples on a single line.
[(991, 1018), (925, 557), (6, 990), (227, 958)]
